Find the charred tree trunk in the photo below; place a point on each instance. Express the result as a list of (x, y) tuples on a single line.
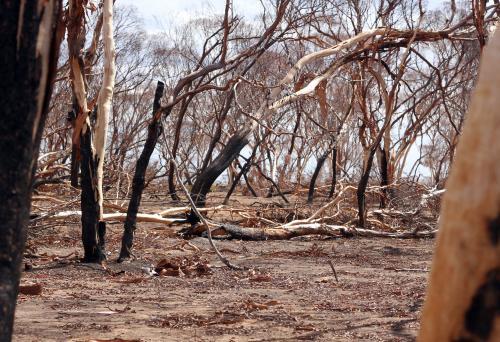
[(92, 232), (384, 176), (362, 185), (230, 152), (138, 183), (334, 172), (27, 67), (312, 184)]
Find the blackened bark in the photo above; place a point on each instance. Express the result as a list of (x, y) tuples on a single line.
[(138, 183), (312, 184), (75, 166), (243, 172), (362, 185), (230, 152), (75, 150), (93, 250), (384, 177), (334, 172), (21, 124)]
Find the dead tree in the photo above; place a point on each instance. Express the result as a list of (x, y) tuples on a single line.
[(30, 46), (221, 66), (463, 298), (154, 131), (89, 134)]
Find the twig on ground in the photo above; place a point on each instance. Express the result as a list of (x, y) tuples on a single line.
[(333, 269)]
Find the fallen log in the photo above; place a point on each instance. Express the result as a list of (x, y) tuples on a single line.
[(280, 233)]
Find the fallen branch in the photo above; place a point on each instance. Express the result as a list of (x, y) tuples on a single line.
[(119, 217), (280, 233)]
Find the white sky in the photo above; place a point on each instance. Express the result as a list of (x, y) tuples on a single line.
[(159, 15)]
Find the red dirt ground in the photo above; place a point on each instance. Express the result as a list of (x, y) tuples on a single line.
[(290, 292)]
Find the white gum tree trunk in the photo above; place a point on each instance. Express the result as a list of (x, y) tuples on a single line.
[(105, 96), (463, 298)]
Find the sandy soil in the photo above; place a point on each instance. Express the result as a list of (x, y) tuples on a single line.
[(290, 292)]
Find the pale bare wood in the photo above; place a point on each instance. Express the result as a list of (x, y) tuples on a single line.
[(105, 96), (183, 210), (121, 217), (462, 299)]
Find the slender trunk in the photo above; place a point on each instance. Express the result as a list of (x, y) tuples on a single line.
[(218, 132), (243, 173), (209, 175), (384, 176), (138, 182), (334, 172), (288, 157), (362, 185), (27, 66), (249, 186), (243, 170), (273, 185), (175, 146), (312, 184)]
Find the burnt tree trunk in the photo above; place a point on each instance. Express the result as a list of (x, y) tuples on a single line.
[(334, 172), (28, 36), (207, 177), (312, 184), (384, 176), (138, 183), (362, 185), (93, 231)]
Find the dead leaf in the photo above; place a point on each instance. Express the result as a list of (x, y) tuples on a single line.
[(33, 289), (172, 272), (326, 279), (261, 278), (134, 280)]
